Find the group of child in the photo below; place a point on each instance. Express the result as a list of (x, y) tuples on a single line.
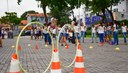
[(78, 31), (105, 33)]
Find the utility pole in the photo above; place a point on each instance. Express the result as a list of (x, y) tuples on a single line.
[(7, 6)]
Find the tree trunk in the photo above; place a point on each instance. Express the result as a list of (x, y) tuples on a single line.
[(45, 14), (111, 14), (73, 14), (104, 16)]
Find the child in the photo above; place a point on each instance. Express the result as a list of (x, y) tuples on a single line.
[(115, 33), (124, 31), (94, 34), (82, 28), (100, 28), (70, 36), (108, 32)]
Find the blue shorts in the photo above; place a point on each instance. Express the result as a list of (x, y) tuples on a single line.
[(109, 32), (64, 34), (105, 33), (78, 35)]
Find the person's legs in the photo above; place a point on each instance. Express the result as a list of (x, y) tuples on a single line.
[(116, 38), (92, 37), (124, 35), (82, 35), (100, 37), (67, 37), (49, 39), (114, 35), (45, 38), (95, 37)]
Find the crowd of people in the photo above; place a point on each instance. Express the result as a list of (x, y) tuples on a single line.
[(6, 33), (105, 32)]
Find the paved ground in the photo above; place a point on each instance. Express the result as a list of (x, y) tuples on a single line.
[(97, 60)]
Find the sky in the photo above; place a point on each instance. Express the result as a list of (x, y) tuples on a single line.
[(25, 5)]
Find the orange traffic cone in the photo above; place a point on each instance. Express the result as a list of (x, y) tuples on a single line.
[(66, 46), (79, 64), (36, 46), (14, 68), (55, 66), (19, 47)]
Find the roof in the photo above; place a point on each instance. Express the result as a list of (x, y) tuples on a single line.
[(24, 22), (38, 15)]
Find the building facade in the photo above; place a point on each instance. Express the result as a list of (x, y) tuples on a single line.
[(37, 17), (120, 10)]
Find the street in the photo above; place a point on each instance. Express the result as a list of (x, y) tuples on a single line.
[(99, 59)]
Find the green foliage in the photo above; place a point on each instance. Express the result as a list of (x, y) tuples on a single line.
[(59, 8), (120, 22), (10, 18)]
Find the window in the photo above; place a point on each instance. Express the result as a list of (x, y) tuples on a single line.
[(122, 15), (115, 10), (115, 4)]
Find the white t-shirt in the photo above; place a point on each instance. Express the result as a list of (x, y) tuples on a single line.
[(124, 28), (63, 31), (54, 31), (82, 28), (115, 29), (76, 29), (93, 30), (108, 27), (70, 34), (35, 31), (45, 31), (100, 29)]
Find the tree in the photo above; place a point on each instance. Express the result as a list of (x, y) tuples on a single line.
[(57, 4), (3, 19), (23, 16), (59, 13), (10, 18), (62, 9), (101, 6), (43, 4)]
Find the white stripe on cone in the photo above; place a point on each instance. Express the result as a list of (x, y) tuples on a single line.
[(56, 71), (79, 53), (79, 65), (56, 57), (14, 66)]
